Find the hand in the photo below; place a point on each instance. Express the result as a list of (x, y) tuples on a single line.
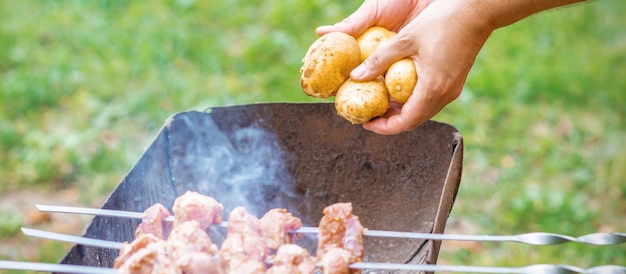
[(443, 38), (391, 14)]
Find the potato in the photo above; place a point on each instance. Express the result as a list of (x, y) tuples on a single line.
[(371, 39), (359, 102), (327, 64), (401, 79)]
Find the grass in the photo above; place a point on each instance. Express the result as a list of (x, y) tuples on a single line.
[(85, 85), (543, 121)]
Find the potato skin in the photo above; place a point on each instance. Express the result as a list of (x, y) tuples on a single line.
[(400, 79), (359, 102), (371, 39), (327, 64)]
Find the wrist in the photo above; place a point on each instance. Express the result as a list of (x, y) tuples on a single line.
[(498, 13)]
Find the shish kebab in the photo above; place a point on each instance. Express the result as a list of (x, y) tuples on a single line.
[(532, 238), (539, 268)]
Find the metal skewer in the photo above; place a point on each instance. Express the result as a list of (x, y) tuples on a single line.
[(48, 267), (539, 268), (533, 238), (532, 269), (70, 238)]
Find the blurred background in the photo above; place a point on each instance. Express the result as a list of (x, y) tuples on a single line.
[(86, 85)]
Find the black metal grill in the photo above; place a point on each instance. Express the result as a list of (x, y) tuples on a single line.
[(302, 157)]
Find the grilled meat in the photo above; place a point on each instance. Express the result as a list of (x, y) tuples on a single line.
[(129, 248), (336, 260), (292, 259), (194, 262), (153, 222), (189, 237), (276, 225), (147, 254), (339, 228), (249, 267), (244, 242), (188, 248), (195, 206), (185, 247)]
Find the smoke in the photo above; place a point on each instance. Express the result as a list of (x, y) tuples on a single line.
[(239, 166)]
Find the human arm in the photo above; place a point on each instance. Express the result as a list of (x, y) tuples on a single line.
[(442, 38)]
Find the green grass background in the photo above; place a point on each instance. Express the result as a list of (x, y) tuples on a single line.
[(85, 85)]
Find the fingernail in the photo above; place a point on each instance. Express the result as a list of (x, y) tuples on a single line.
[(321, 30), (359, 71)]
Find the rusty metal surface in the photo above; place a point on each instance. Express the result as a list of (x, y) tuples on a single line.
[(300, 156)]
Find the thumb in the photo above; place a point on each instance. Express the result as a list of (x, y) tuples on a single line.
[(355, 24), (377, 63)]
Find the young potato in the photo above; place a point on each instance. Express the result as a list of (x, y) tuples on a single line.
[(371, 39), (359, 102), (327, 64), (401, 79)]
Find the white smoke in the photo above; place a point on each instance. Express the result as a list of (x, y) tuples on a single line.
[(245, 167)]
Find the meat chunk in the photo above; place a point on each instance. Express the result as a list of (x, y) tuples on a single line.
[(185, 247), (189, 237), (336, 260), (148, 255), (249, 267), (153, 222), (244, 242), (195, 206), (277, 224), (339, 228), (353, 239), (198, 263), (129, 248), (188, 249), (240, 221), (292, 259)]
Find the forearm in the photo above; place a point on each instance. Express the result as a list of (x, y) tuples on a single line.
[(500, 13)]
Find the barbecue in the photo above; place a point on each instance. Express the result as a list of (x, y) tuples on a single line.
[(301, 157), (536, 238)]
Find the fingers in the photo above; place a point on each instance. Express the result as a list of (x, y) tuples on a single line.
[(355, 24), (428, 98), (402, 45), (391, 14), (425, 102), (398, 119)]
